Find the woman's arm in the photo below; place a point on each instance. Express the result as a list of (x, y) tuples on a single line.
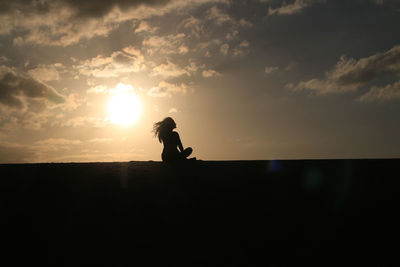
[(180, 146)]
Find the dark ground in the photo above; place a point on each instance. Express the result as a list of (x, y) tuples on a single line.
[(243, 213)]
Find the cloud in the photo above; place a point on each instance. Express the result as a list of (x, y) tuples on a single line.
[(47, 148), (60, 26), (16, 153), (165, 89), (98, 89), (80, 9), (16, 88), (193, 67), (101, 140), (191, 22), (232, 35), (245, 23), (269, 70), (58, 141), (84, 121), (224, 49), (210, 44), (210, 73), (119, 88), (72, 102), (295, 7), (126, 61), (218, 16), (145, 27), (164, 44), (195, 25), (289, 86), (350, 74), (169, 70), (64, 150), (390, 91), (242, 48), (244, 43), (46, 72), (18, 41), (183, 49), (66, 22), (32, 118)]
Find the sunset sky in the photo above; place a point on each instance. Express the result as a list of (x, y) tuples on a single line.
[(244, 80)]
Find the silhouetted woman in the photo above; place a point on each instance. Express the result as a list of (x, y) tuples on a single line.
[(171, 140)]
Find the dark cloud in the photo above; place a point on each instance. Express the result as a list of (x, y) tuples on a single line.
[(34, 6), (98, 8), (65, 22), (350, 71), (391, 91), (290, 8), (86, 8), (349, 74), (14, 87)]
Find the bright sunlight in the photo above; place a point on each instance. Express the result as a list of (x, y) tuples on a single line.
[(124, 106)]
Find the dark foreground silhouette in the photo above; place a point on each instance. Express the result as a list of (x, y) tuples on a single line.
[(256, 213)]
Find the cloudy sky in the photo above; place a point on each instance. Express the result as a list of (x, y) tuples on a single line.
[(260, 79)]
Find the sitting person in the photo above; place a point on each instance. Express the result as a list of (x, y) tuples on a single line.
[(171, 141)]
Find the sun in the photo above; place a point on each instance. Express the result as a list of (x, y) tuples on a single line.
[(123, 107)]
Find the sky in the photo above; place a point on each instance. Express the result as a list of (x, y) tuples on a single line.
[(244, 80)]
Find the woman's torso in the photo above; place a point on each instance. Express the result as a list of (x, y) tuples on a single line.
[(170, 142)]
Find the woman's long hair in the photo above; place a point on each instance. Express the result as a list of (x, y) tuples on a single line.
[(162, 128)]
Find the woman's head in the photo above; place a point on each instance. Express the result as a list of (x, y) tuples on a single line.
[(163, 127)]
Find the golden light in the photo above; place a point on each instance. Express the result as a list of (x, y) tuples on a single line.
[(124, 106)]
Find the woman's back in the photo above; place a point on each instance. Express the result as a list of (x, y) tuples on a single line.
[(171, 141), (170, 151)]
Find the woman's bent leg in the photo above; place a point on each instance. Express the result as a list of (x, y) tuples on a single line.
[(186, 153)]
